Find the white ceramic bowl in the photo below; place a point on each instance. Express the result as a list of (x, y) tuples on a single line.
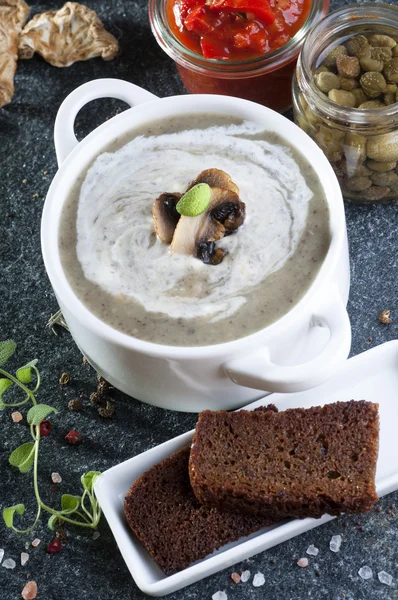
[(297, 352)]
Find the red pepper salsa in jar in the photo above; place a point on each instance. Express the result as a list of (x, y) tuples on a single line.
[(244, 48)]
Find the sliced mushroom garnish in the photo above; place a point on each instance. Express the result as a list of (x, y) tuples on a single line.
[(193, 235), (216, 178), (165, 216)]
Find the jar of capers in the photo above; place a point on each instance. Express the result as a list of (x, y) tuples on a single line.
[(345, 96)]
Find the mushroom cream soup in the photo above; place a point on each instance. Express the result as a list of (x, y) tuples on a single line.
[(122, 271)]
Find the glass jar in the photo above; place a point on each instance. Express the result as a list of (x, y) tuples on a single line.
[(265, 80), (360, 143)]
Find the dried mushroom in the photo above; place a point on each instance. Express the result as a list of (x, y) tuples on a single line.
[(70, 34), (165, 216), (13, 15), (195, 236)]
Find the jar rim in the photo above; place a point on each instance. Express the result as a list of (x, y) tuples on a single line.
[(347, 17), (227, 69)]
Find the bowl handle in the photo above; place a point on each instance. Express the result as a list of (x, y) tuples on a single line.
[(64, 136), (258, 371)]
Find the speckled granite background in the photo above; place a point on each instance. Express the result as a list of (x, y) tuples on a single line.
[(88, 568)]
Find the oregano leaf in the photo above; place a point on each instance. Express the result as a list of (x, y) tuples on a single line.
[(8, 513), (52, 521), (38, 413), (88, 480), (22, 457), (24, 373), (4, 385), (7, 349), (70, 503)]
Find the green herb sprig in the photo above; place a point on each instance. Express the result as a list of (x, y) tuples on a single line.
[(84, 510), (195, 201)]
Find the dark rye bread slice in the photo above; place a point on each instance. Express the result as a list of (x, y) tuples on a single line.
[(175, 529), (298, 463)]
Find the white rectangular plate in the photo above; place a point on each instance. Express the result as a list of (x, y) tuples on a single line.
[(371, 376)]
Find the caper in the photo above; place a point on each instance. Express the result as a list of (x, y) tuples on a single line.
[(358, 184), (360, 96), (356, 44), (391, 70), (382, 41), (391, 88), (383, 54), (330, 60), (330, 139), (365, 52), (334, 156), (311, 117), (384, 147), (374, 193), (373, 84), (321, 69), (327, 81), (381, 167), (305, 125), (370, 64), (390, 99), (385, 179), (348, 84), (348, 66), (343, 98), (395, 51), (369, 104)]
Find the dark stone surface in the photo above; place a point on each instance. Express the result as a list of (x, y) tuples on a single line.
[(94, 569)]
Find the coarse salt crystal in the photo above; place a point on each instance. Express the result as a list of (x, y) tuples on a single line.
[(219, 596), (9, 563), (384, 578), (335, 543), (56, 478), (24, 558), (96, 535), (30, 591), (258, 580), (235, 577), (303, 563), (1, 554), (245, 576), (16, 416), (35, 542), (365, 572), (312, 551)]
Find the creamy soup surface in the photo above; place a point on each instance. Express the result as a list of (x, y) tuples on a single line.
[(127, 276)]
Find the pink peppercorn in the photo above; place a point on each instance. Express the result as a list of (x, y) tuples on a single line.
[(73, 437), (45, 428), (54, 546)]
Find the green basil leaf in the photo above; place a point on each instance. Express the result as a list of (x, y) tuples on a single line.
[(4, 385), (88, 480), (7, 349), (21, 455), (38, 413), (52, 521), (8, 513), (70, 503)]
